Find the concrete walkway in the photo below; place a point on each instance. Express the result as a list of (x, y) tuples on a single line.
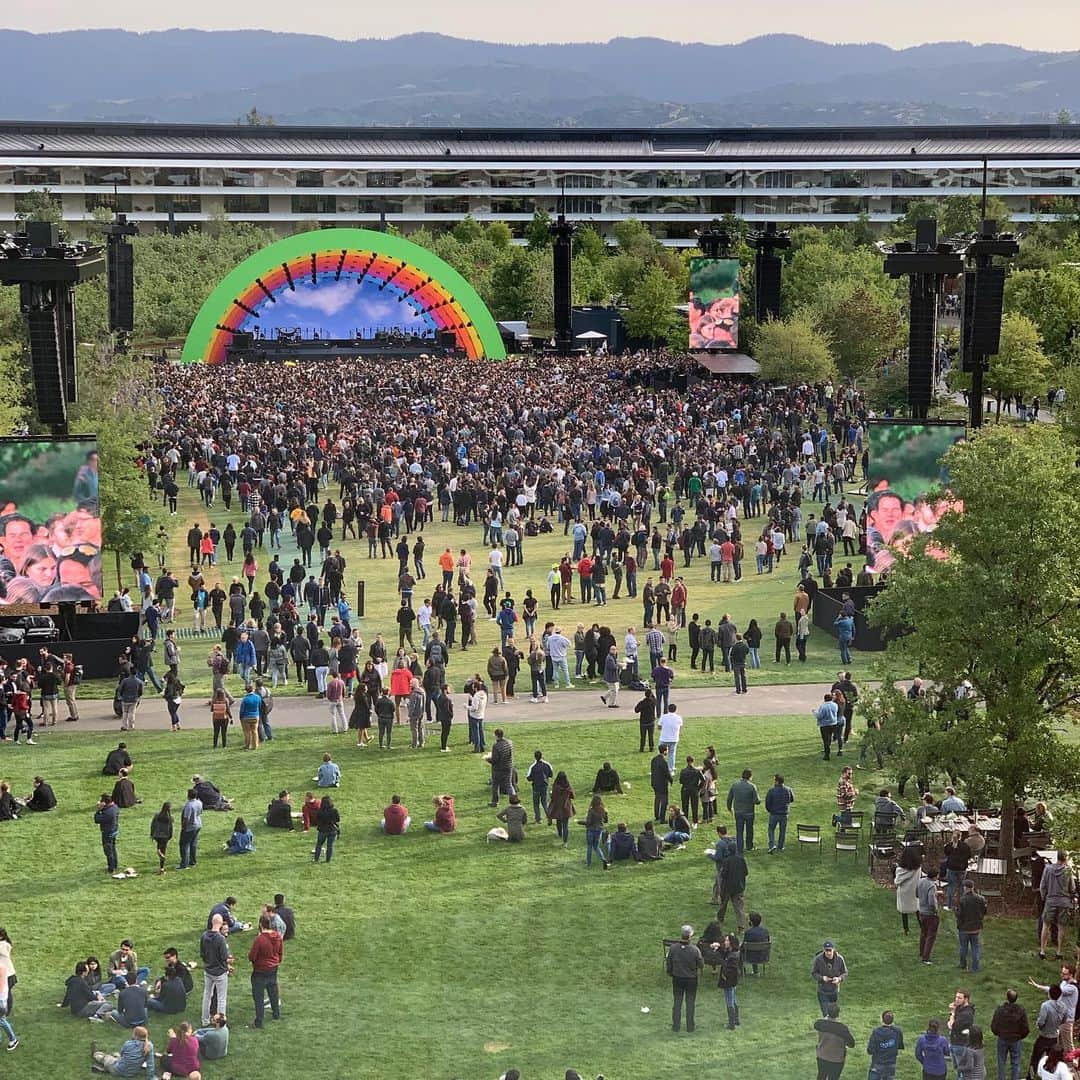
[(563, 706)]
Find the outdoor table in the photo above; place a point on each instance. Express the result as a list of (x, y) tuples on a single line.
[(991, 867)]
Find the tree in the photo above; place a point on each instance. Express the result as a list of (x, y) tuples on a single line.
[(1051, 300), (40, 205), (499, 235), (652, 314), (120, 404), (538, 231), (818, 263), (15, 400), (589, 244), (999, 609), (793, 351), (254, 118), (1020, 366), (1068, 416), (511, 285), (863, 325), (468, 230)]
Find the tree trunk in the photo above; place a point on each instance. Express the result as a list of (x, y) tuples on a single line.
[(119, 579), (1006, 838)]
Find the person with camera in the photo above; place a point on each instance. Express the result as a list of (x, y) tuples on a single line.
[(107, 817)]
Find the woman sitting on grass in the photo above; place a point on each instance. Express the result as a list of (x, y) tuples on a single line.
[(679, 831), (241, 842), (445, 821), (182, 1055)]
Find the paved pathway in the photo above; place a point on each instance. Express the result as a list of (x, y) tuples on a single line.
[(563, 706)]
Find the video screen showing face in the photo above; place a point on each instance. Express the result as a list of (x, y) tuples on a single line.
[(50, 521), (905, 466), (714, 303)]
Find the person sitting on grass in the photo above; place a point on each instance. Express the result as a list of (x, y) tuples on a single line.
[(445, 821), (607, 781), (209, 794), (130, 1008), (136, 1054), (83, 1001), (623, 846), (225, 910), (214, 1040), (279, 812), (116, 760), (241, 842), (41, 799), (515, 818), (650, 846), (181, 1055), (329, 774), (679, 831), (310, 809), (395, 819), (170, 994)]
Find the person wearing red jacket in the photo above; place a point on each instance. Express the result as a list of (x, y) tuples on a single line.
[(265, 954)]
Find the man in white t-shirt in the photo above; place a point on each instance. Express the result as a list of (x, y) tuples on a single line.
[(495, 561), (670, 727)]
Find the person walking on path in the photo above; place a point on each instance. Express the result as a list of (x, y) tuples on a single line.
[(684, 964)]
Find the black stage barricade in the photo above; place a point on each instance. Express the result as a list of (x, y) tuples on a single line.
[(827, 606), (95, 639)]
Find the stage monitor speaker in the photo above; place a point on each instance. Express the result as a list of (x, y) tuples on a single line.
[(446, 339), (42, 235), (243, 340), (989, 297), (121, 269)]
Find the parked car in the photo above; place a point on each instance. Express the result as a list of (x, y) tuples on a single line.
[(25, 629)]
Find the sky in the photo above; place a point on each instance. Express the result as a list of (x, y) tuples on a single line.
[(1037, 24)]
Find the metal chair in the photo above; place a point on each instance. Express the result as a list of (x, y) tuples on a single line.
[(846, 840), (755, 952), (808, 834)]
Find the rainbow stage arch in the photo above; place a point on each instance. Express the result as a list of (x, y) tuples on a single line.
[(434, 291)]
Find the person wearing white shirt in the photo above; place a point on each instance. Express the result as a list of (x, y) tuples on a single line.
[(423, 620), (670, 728), (495, 561), (630, 651)]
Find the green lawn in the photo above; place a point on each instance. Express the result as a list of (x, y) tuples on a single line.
[(761, 597), (445, 957)]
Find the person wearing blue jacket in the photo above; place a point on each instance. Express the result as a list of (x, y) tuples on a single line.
[(136, 1054), (845, 635), (505, 621), (932, 1052), (777, 800), (245, 656)]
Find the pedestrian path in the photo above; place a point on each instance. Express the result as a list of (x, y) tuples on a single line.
[(563, 706)]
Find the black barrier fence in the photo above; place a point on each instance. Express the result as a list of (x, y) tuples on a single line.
[(828, 604)]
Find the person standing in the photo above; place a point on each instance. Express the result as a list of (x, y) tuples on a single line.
[(414, 710), (738, 655), (1049, 1022), (539, 775), (190, 826), (476, 708), (130, 691), (929, 912), (884, 1047), (670, 729), (560, 808), (250, 713), (684, 964), (72, 675), (611, 678), (829, 970), (1011, 1026), (265, 954), (660, 779), (741, 800), (834, 1041), (932, 1052), (1057, 887), (970, 914), (778, 800), (161, 830), (646, 710), (827, 716), (335, 698), (783, 633), (731, 875), (107, 817), (502, 767), (961, 1021), (328, 823), (444, 716)]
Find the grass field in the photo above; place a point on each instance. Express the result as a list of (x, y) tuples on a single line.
[(761, 597), (445, 957)]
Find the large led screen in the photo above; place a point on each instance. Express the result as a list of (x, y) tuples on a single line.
[(50, 521), (905, 467), (714, 303)]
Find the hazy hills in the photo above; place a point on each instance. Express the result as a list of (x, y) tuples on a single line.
[(189, 76)]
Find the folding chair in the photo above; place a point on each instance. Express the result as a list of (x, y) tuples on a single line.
[(755, 952)]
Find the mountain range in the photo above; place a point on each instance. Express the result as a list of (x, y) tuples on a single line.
[(193, 76)]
